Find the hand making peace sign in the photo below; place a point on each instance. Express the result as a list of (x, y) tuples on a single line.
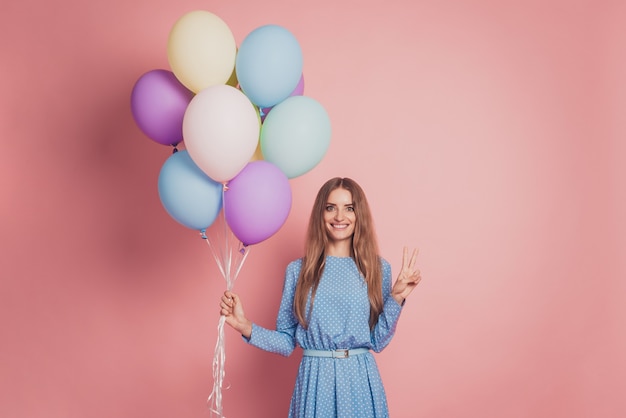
[(408, 278)]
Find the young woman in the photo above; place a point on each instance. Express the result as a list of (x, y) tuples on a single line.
[(338, 304)]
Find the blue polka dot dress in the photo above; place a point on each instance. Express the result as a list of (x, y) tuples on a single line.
[(334, 387)]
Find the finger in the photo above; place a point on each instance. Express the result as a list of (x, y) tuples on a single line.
[(405, 256), (413, 258), (418, 278), (231, 297)]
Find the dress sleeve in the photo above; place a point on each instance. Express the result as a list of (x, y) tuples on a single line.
[(282, 339), (388, 319)]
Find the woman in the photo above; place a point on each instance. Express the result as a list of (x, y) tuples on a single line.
[(338, 304)]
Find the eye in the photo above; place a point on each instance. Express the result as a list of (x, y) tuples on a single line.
[(350, 208), (330, 208)]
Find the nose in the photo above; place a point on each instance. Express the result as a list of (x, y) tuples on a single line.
[(339, 214)]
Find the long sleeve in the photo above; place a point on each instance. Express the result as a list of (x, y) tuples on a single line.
[(385, 328), (282, 339)]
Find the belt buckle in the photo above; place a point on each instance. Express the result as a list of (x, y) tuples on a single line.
[(341, 353)]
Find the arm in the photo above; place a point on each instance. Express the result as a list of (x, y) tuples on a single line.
[(281, 340), (386, 326), (394, 298)]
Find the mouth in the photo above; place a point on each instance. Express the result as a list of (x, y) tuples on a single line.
[(339, 226)]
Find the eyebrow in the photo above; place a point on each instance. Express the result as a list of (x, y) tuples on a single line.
[(335, 204)]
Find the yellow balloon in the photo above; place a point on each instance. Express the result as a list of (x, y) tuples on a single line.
[(233, 81), (201, 50), (258, 154)]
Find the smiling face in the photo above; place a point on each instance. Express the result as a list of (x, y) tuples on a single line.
[(339, 216)]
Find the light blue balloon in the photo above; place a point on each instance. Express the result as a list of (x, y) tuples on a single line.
[(269, 65), (296, 135), (188, 195)]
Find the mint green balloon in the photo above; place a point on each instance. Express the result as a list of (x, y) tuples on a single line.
[(295, 135)]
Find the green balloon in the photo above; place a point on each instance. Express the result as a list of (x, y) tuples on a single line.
[(295, 135)]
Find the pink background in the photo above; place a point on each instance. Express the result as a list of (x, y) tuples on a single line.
[(489, 134)]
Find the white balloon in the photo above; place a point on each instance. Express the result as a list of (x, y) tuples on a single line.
[(221, 131)]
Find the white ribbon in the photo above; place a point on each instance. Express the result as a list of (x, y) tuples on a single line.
[(229, 256)]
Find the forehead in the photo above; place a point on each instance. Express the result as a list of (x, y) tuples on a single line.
[(340, 196)]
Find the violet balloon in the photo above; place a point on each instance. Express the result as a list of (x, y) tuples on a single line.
[(257, 202), (158, 103)]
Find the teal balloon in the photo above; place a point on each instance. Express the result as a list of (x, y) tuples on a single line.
[(188, 195), (296, 135), (269, 65)]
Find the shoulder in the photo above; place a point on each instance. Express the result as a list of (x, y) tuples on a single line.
[(293, 268), (385, 266), (384, 263), (292, 272)]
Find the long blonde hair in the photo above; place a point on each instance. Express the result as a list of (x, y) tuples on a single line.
[(364, 251)]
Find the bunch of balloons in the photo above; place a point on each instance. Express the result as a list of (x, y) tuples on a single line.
[(247, 129), (243, 118)]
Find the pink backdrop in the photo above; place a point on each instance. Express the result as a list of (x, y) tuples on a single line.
[(489, 134)]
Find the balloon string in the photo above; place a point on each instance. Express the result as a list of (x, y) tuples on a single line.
[(219, 361), (217, 256), (229, 257), (243, 251)]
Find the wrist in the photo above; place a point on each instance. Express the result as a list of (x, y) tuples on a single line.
[(246, 329), (398, 298)]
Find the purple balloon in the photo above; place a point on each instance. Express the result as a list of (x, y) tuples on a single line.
[(299, 90), (257, 202), (158, 103)]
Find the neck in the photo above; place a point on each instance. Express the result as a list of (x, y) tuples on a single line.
[(339, 249)]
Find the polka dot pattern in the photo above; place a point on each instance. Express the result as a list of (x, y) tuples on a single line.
[(327, 387)]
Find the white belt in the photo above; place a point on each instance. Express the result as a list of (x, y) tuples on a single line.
[(340, 353)]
